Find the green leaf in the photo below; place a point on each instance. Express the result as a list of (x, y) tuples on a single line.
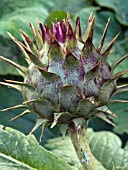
[(71, 6), (119, 8), (7, 165), (121, 168), (105, 146), (17, 14), (25, 152)]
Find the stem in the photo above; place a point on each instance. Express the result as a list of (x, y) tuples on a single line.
[(79, 139)]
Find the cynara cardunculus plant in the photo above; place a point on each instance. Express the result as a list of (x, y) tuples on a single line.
[(68, 81)]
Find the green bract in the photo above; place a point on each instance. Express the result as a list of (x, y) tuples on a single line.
[(67, 79)]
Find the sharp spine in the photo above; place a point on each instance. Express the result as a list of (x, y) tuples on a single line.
[(14, 107), (103, 36), (114, 65), (122, 86), (42, 132), (20, 68), (109, 47), (120, 91), (91, 30), (118, 101), (21, 46), (24, 113), (17, 87)]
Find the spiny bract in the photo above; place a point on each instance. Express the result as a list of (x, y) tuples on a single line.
[(67, 79)]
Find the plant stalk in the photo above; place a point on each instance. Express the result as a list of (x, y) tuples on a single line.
[(79, 139)]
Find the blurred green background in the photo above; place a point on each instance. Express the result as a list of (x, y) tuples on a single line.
[(16, 14)]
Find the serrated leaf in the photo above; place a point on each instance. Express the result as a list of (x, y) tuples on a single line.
[(105, 146), (119, 8), (102, 143), (26, 152)]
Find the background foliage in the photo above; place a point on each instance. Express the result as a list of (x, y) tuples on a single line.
[(17, 14)]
